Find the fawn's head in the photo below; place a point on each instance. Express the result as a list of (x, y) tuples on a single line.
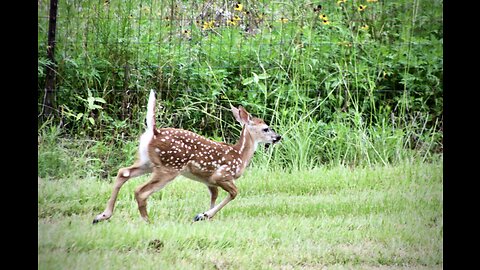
[(260, 131)]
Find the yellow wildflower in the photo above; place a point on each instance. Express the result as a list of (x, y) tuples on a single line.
[(238, 7), (371, 1), (283, 20), (341, 2), (362, 7), (325, 21), (323, 17), (208, 25), (364, 27), (232, 22)]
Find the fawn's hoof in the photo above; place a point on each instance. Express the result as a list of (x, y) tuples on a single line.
[(200, 217)]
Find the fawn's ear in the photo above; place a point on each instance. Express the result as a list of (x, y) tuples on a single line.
[(236, 113), (242, 116)]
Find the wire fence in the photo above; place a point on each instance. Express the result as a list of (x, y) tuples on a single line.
[(130, 46)]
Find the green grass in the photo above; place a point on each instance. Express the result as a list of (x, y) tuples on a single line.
[(380, 217)]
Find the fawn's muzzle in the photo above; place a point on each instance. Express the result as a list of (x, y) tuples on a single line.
[(277, 139)]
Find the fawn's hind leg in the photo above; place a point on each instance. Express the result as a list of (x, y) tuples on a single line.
[(123, 175), (159, 179)]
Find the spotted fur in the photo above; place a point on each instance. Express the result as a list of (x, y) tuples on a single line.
[(170, 152)]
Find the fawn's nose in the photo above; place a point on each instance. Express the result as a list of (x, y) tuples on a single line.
[(277, 139)]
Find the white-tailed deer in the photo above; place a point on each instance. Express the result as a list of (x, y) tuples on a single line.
[(170, 152)]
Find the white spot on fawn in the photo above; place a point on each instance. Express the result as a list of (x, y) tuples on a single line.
[(126, 173)]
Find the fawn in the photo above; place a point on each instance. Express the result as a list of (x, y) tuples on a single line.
[(170, 152)]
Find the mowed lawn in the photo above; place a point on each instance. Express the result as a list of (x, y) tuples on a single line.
[(384, 217)]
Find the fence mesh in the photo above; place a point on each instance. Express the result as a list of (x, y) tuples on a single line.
[(115, 48)]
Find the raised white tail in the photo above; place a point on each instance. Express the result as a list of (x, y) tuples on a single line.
[(151, 111), (149, 132)]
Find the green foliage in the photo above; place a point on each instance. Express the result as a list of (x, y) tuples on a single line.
[(53, 161), (85, 119), (346, 85), (61, 155)]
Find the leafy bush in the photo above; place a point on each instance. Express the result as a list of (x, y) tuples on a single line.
[(347, 81)]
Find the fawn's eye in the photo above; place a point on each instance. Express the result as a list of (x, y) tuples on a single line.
[(265, 130)]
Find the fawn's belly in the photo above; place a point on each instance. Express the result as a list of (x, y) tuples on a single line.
[(202, 178)]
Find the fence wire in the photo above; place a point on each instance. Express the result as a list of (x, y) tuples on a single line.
[(135, 45)]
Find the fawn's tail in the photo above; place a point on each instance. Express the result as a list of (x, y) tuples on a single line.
[(151, 112)]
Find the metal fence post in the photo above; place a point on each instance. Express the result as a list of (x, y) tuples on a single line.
[(50, 68)]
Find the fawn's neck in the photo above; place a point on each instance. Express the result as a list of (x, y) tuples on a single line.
[(245, 146)]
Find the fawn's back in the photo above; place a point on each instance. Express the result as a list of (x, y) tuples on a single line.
[(192, 155)]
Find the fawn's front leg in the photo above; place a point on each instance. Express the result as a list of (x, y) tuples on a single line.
[(229, 187), (213, 195)]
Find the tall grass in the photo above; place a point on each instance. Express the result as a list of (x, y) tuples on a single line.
[(364, 88)]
